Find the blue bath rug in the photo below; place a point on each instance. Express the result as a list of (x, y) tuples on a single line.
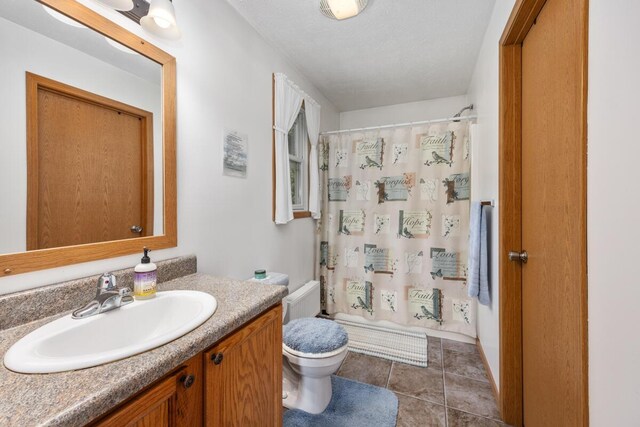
[(353, 404)]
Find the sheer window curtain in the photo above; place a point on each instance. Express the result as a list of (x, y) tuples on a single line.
[(288, 102), (312, 113)]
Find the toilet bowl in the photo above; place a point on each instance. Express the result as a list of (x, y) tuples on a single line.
[(312, 350)]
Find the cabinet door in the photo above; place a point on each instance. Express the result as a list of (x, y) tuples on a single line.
[(151, 408), (243, 375), (188, 401), (174, 401)]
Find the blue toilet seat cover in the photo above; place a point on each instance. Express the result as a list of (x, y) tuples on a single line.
[(314, 336)]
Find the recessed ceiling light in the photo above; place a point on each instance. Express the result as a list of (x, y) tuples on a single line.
[(342, 9)]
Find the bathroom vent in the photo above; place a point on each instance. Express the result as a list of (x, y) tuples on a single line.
[(140, 9)]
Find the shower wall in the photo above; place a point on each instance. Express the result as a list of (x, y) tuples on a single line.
[(402, 113)]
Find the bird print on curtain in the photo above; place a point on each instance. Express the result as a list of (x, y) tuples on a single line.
[(393, 234)]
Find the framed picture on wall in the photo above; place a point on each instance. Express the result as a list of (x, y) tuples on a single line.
[(235, 154)]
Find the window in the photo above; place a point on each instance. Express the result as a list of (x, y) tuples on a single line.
[(298, 162), (292, 195)]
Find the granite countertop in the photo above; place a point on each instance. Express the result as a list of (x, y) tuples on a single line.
[(77, 397)]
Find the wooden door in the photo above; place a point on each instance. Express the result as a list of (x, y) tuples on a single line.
[(90, 168), (554, 218), (175, 401), (243, 375)]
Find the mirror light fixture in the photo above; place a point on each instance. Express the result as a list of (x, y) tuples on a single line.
[(157, 17), (342, 9), (122, 5), (161, 20)]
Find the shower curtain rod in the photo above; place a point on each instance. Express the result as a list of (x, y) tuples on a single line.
[(401, 125)]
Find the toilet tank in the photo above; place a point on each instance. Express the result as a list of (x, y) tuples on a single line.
[(302, 301), (305, 302)]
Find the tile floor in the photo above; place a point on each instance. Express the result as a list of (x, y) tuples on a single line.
[(452, 392)]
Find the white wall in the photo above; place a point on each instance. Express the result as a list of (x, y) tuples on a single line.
[(224, 81), (439, 108), (33, 52), (613, 211), (483, 93)]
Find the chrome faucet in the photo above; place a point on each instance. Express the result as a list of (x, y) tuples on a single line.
[(107, 298)]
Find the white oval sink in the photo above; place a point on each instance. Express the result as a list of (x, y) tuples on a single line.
[(67, 344)]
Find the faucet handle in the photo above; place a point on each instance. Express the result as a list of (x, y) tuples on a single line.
[(126, 296), (106, 282)]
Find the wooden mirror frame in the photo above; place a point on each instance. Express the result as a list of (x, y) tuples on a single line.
[(23, 262)]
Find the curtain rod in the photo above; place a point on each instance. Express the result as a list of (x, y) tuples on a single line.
[(399, 125), (304, 94)]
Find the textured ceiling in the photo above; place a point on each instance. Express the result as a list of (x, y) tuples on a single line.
[(396, 51)]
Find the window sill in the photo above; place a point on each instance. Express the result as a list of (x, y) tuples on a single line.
[(301, 214)]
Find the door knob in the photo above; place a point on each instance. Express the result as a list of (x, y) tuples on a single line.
[(136, 229), (522, 257)]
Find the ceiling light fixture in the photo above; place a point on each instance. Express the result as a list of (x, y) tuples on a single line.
[(122, 5), (342, 9), (161, 20)]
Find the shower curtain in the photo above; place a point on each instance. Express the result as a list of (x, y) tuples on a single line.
[(393, 233)]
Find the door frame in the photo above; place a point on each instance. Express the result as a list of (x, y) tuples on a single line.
[(36, 83), (510, 219)]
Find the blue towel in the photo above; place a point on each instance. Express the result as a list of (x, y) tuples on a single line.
[(478, 280)]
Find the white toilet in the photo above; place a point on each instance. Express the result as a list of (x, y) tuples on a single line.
[(312, 350)]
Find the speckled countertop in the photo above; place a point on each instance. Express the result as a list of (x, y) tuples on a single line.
[(77, 397)]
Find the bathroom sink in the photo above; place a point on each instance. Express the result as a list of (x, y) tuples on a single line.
[(67, 344)]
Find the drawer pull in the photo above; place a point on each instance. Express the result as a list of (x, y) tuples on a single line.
[(217, 358)]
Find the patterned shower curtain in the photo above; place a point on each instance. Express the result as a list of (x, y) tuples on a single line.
[(393, 235)]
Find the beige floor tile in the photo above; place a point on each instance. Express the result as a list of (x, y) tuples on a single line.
[(468, 395), (465, 364), (365, 369), (423, 383), (463, 419), (435, 342), (434, 356), (461, 347), (414, 412)]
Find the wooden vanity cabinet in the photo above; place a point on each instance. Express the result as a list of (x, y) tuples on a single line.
[(243, 375), (237, 382)]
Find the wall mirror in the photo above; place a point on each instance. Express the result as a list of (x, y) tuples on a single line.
[(88, 135)]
